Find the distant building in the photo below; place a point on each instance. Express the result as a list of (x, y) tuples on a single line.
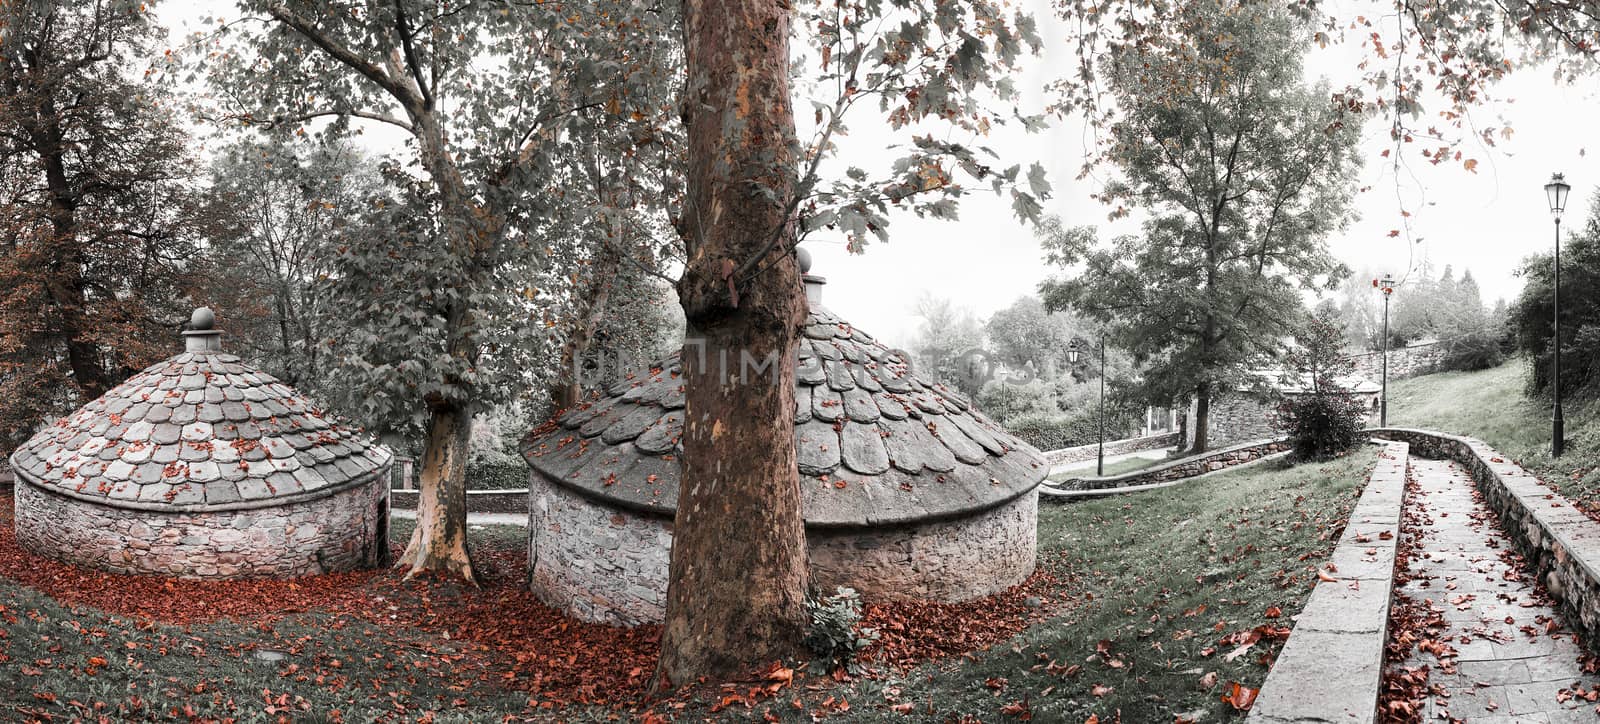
[(1250, 410)]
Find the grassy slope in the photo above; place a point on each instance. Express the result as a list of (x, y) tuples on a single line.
[(1235, 543), (1116, 468), (1490, 405)]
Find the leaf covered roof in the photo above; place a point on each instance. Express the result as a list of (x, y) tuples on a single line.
[(200, 430)]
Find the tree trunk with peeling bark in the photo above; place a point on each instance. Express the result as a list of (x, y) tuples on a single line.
[(439, 542), (736, 590)]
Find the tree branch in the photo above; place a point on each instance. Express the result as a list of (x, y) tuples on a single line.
[(344, 55), (414, 65)]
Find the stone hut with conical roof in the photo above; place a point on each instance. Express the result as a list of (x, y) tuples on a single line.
[(909, 492), (202, 467)]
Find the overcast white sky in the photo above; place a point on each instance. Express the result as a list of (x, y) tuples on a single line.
[(1486, 222)]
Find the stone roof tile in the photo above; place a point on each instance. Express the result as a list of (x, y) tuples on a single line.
[(629, 426), (862, 449), (662, 437), (816, 446)]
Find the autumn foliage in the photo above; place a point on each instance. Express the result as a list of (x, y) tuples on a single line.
[(99, 216), (499, 636)]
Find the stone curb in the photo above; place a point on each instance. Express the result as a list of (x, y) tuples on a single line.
[(1080, 453), (1560, 544), (1331, 668), (1176, 470), (1072, 496)]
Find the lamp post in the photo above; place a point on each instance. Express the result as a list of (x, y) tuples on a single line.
[(1073, 352), (1557, 190), (1386, 284)]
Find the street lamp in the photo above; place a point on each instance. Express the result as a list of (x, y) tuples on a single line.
[(1386, 285), (1557, 191), (1073, 353)]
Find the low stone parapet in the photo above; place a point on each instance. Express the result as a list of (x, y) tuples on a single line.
[(1560, 544), (1331, 668), (1113, 447), (1177, 469), (513, 501)]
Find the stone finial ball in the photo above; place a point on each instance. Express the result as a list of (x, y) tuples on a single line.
[(805, 260), (203, 318)]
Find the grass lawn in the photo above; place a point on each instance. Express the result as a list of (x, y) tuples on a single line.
[(1490, 405), (1167, 574), (328, 649), (1150, 584), (1116, 468)]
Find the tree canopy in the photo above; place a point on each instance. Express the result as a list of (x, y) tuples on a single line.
[(1243, 171), (99, 209), (526, 126)]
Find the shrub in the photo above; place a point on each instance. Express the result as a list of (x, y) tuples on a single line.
[(836, 635), (1053, 432), (1477, 345), (1322, 425), (1325, 419), (509, 475)]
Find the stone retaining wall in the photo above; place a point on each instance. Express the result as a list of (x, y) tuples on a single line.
[(1331, 668), (1559, 543), (346, 530), (1113, 447), (514, 501), (1238, 418), (1178, 469), (604, 564), (1418, 359)]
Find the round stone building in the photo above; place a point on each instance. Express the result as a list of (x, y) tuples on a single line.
[(908, 491), (201, 467)]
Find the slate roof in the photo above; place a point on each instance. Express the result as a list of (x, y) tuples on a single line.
[(875, 443), (200, 430)]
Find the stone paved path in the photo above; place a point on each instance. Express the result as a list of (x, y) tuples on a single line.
[(1500, 672)]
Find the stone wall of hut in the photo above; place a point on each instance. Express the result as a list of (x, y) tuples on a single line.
[(344, 531), (609, 565)]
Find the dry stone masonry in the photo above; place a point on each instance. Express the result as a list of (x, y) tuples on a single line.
[(1560, 544), (201, 467), (908, 491), (1179, 469), (1409, 361), (1113, 447)]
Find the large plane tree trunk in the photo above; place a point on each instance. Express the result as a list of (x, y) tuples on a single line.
[(439, 542), (736, 588)]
